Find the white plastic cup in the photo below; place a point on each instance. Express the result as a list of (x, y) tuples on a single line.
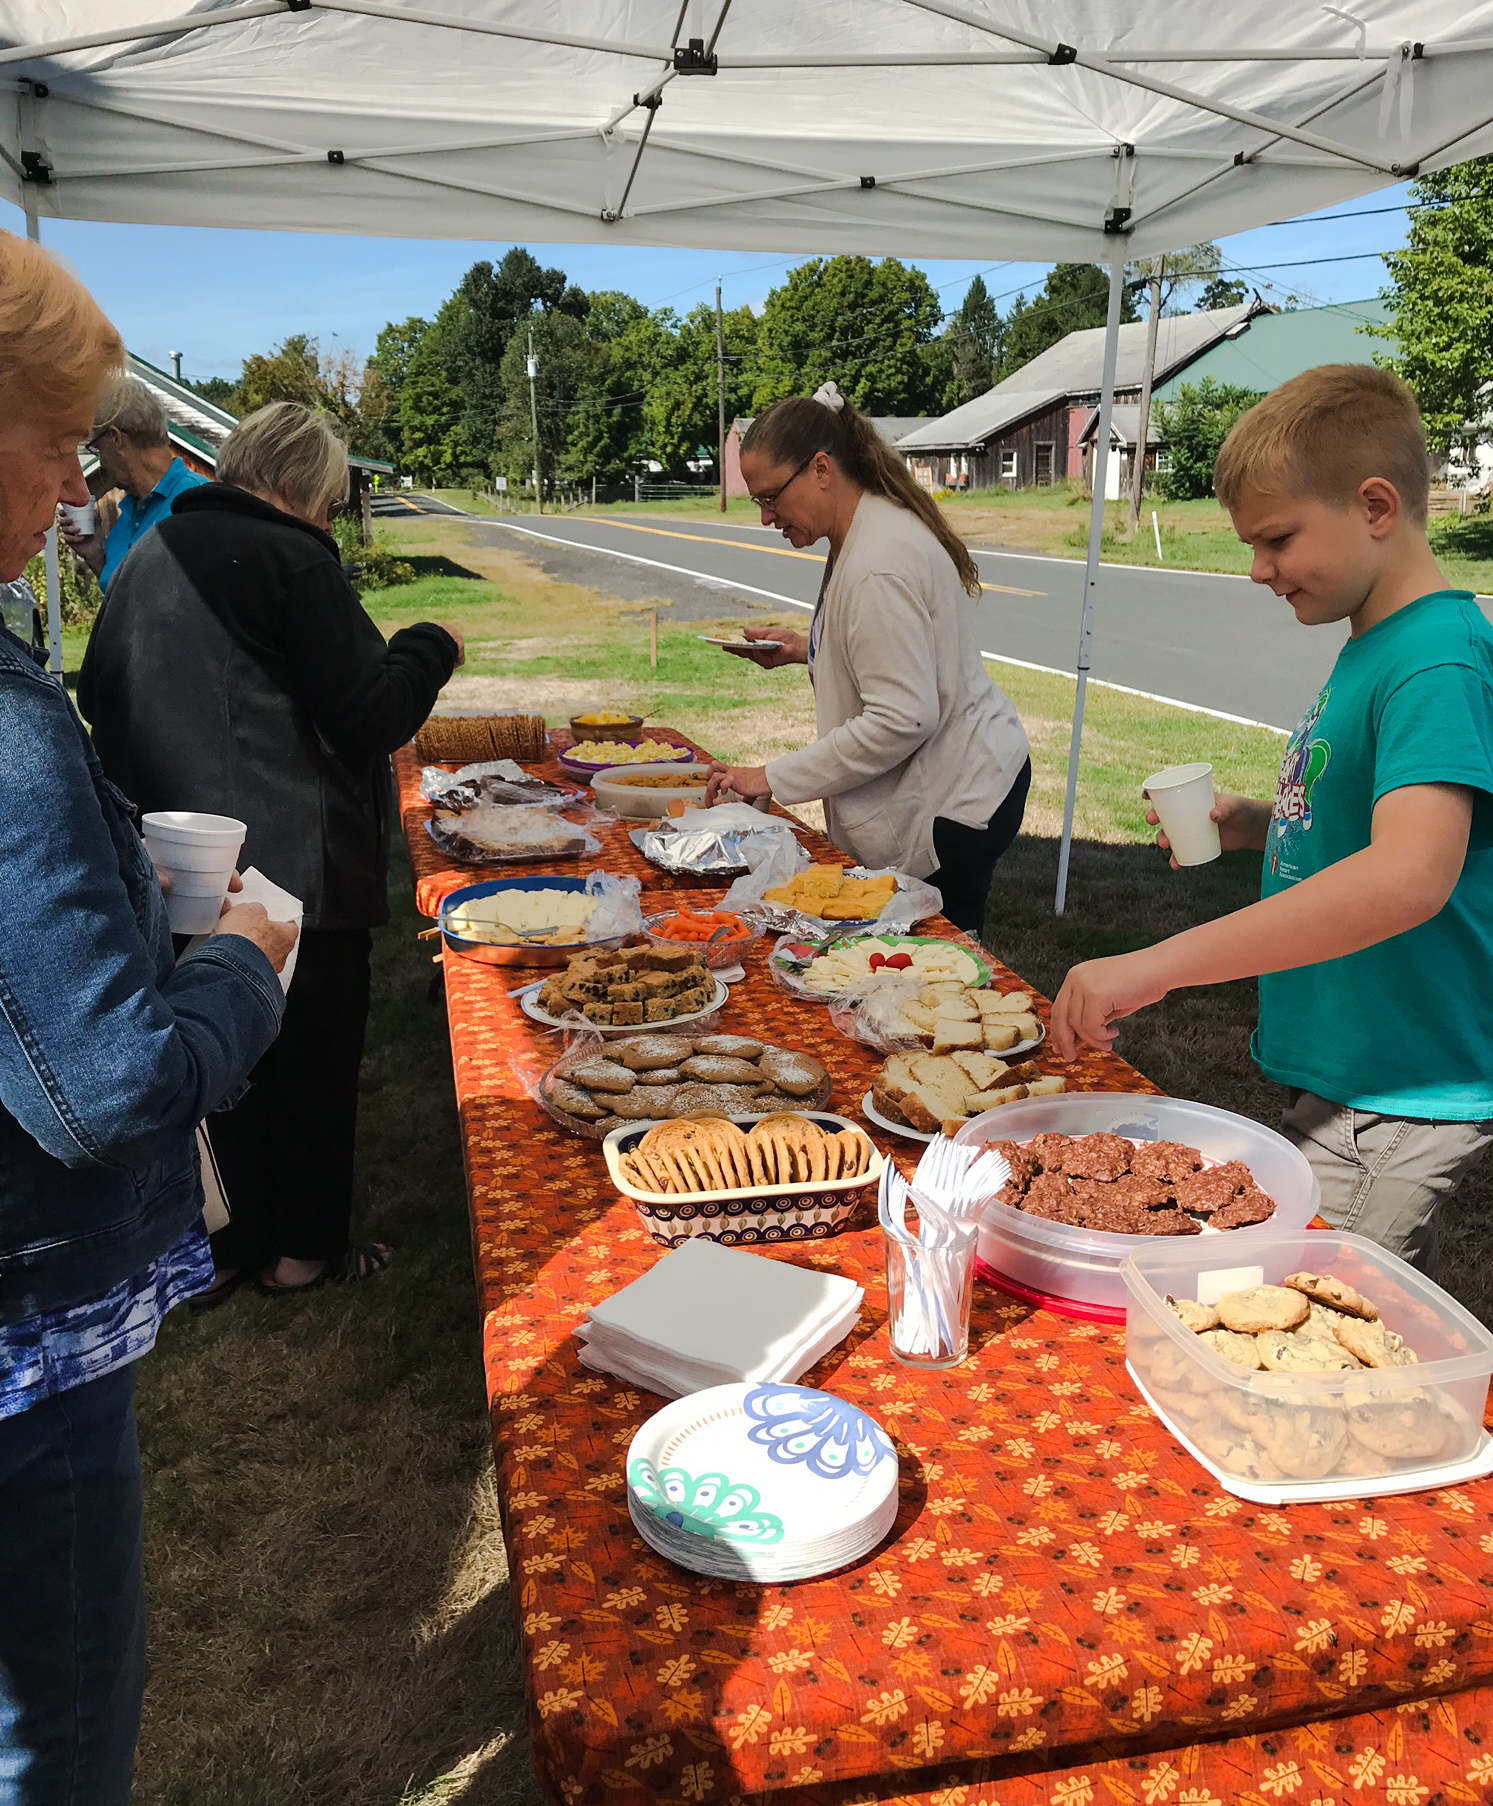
[(199, 854), (85, 519), (1183, 798)]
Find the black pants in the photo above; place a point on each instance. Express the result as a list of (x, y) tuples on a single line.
[(967, 856), (286, 1150)]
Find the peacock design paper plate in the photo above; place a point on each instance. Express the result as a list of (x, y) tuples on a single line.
[(762, 1481)]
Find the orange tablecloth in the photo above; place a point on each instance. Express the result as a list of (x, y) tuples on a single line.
[(1069, 1611)]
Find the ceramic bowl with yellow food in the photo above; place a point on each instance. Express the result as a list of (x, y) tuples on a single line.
[(605, 724)]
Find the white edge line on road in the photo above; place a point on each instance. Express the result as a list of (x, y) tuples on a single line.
[(1172, 702), (706, 577)]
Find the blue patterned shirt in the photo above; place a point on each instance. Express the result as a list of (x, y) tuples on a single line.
[(43, 1356)]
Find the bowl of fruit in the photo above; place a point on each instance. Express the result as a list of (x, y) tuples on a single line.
[(718, 936)]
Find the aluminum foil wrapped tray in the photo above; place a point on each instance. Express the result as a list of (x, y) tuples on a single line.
[(700, 853)]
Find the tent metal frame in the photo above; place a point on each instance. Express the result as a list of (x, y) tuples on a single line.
[(1281, 142)]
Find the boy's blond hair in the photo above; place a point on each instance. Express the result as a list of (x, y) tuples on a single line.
[(1323, 433)]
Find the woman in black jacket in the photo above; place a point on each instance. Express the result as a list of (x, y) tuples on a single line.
[(233, 670)]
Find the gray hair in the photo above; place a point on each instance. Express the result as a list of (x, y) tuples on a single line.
[(137, 412), (289, 450)]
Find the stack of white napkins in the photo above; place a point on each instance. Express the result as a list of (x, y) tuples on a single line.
[(707, 1315)]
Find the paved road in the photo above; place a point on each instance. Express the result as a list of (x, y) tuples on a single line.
[(1215, 642)]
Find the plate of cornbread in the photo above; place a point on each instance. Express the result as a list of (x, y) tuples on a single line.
[(626, 989)]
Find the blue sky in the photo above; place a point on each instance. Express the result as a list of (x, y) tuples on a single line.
[(217, 296)]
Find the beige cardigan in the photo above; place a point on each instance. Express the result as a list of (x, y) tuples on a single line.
[(910, 724)]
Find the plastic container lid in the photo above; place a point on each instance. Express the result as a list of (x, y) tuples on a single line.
[(1058, 1263), (1332, 1429)]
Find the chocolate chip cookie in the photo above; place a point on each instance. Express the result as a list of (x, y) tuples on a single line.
[(1261, 1308)]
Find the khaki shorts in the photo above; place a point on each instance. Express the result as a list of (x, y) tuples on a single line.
[(1384, 1177)]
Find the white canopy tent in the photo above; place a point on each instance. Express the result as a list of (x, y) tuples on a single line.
[(1095, 130)]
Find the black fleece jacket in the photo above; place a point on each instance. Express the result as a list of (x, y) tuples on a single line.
[(232, 669)]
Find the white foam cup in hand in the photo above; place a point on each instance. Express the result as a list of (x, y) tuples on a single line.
[(85, 519), (199, 854), (1183, 798)]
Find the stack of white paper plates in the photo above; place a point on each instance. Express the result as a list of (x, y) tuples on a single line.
[(762, 1481)]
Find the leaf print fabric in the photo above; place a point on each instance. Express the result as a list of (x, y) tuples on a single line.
[(1068, 1611)]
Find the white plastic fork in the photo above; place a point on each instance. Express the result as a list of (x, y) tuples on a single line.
[(958, 1179), (924, 1322)]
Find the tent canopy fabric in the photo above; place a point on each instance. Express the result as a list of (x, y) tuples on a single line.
[(1042, 129)]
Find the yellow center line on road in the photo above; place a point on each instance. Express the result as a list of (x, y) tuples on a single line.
[(711, 539)]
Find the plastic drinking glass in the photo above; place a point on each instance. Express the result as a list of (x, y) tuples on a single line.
[(1183, 798), (929, 1290)]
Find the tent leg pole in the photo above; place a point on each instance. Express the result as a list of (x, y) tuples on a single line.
[(54, 579), (1091, 571)]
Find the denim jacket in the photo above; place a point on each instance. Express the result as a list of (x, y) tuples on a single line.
[(111, 1052)]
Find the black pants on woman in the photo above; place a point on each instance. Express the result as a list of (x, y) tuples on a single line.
[(967, 856), (285, 1151)]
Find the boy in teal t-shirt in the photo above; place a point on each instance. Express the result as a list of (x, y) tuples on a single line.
[(1373, 938)]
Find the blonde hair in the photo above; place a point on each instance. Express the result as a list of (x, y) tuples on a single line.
[(57, 350), (286, 449), (139, 414), (1324, 433), (791, 431)]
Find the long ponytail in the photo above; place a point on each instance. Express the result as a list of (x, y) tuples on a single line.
[(792, 430)]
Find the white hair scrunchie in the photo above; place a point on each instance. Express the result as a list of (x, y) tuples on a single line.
[(828, 396)]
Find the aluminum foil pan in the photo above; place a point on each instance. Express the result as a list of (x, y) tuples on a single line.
[(701, 854)]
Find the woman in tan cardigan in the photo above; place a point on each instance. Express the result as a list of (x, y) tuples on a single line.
[(921, 761)]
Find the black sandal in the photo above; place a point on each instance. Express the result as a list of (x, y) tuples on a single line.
[(361, 1260), (219, 1292)]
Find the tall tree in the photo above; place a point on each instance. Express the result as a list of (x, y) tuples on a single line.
[(219, 390), (1074, 296), (1195, 267), (1440, 298), (867, 326), (490, 305), (1221, 291), (974, 344)]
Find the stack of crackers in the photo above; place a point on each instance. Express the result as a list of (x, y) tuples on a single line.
[(464, 739), (710, 1154)]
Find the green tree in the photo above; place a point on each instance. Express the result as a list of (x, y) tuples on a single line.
[(565, 359), (219, 390), (974, 344), (1193, 429), (1440, 298), (291, 372), (1074, 296), (1195, 266), (868, 326), (1221, 291), (680, 417)]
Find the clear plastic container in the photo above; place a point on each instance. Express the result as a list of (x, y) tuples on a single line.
[(1055, 1264), (1323, 1434)]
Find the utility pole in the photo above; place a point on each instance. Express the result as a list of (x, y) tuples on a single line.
[(533, 367), (1148, 376), (720, 396)]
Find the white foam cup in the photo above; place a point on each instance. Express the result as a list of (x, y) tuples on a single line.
[(1183, 798), (199, 853), (84, 518)]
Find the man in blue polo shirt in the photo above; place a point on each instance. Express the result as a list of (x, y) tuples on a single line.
[(134, 454)]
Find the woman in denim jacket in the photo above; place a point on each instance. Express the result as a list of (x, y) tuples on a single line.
[(110, 1055)]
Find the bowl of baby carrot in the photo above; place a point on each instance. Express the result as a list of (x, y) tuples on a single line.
[(718, 936)]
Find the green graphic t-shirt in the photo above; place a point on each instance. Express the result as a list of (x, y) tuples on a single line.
[(1404, 1028)]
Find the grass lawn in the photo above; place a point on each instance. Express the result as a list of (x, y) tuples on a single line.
[(330, 1612)]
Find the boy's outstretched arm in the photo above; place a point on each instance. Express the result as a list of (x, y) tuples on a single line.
[(1403, 878)]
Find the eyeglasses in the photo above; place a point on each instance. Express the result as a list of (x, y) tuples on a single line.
[(770, 500), (91, 445)]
